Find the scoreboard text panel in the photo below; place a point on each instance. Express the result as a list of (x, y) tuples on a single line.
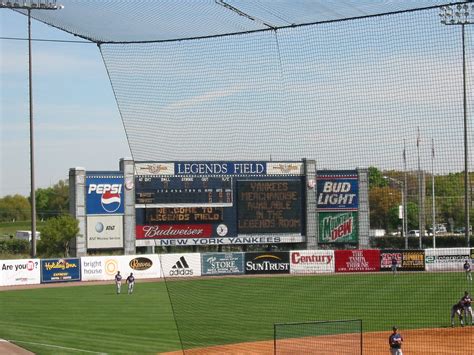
[(269, 206)]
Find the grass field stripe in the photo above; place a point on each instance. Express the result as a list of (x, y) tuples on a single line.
[(84, 332), (55, 346)]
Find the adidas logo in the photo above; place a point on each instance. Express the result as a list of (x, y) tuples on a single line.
[(181, 268)]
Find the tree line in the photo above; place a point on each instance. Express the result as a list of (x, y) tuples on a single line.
[(385, 197), (50, 202)]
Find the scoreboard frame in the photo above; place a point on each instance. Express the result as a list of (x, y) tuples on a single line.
[(199, 203)]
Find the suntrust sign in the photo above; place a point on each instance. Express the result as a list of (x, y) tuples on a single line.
[(267, 263)]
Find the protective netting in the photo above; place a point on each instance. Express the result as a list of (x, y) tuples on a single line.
[(363, 83), (347, 93), (150, 20)]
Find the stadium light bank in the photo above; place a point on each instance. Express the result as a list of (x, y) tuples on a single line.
[(31, 6), (462, 15)]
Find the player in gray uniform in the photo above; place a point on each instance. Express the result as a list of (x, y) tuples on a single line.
[(395, 342), (467, 270), (118, 282), (467, 305), (394, 264), (457, 309), (131, 283)]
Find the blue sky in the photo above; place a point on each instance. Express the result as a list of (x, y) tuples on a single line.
[(76, 119), (349, 95)]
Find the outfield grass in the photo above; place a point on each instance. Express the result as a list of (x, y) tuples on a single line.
[(211, 311)]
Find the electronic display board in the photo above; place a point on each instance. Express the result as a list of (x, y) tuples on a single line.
[(219, 203), (184, 215), (269, 206), (176, 191)]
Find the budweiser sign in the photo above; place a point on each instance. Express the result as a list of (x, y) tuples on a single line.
[(171, 231)]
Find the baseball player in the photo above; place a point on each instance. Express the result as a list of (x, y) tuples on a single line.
[(118, 282), (457, 309), (131, 283), (467, 269), (395, 341), (466, 301), (394, 265)]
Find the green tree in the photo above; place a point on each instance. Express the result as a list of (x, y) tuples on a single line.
[(15, 208), (56, 235), (376, 178), (412, 216), (449, 190), (382, 200), (52, 201)]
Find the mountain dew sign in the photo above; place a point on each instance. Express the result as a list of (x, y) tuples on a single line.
[(338, 227)]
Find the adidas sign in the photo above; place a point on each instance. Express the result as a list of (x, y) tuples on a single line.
[(181, 268)]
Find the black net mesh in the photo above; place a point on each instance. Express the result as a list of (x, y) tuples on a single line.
[(334, 90), (173, 20)]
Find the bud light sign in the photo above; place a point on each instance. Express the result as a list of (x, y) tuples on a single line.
[(337, 192), (104, 194)]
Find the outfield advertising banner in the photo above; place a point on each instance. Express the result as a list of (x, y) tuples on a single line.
[(60, 270), (311, 261), (338, 227), (20, 272), (337, 191), (222, 264), (181, 265), (104, 193), (105, 267), (407, 260), (267, 263), (357, 260), (451, 259), (104, 232)]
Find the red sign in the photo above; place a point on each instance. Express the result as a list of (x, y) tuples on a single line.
[(357, 260), (171, 231)]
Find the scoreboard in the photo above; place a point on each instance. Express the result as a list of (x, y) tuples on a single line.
[(219, 203), (178, 191)]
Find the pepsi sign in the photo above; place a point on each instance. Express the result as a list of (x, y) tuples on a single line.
[(104, 194)]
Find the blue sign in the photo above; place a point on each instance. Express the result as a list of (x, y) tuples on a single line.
[(337, 192), (104, 194), (221, 168), (60, 270), (222, 264)]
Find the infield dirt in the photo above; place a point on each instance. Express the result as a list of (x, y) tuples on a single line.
[(433, 341)]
